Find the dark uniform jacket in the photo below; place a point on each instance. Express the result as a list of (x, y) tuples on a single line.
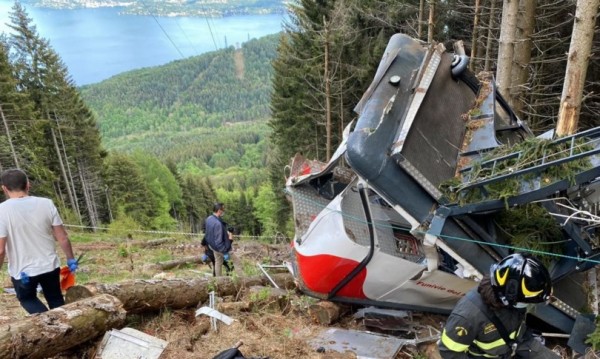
[(216, 234), (470, 334)]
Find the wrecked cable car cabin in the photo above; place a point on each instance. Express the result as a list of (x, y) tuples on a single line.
[(407, 213)]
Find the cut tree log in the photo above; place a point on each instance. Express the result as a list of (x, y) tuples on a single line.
[(47, 334), (152, 295), (325, 313), (178, 262), (153, 243), (230, 308)]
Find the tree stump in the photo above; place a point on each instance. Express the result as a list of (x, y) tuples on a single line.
[(47, 334)]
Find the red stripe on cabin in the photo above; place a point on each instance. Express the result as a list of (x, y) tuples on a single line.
[(321, 273)]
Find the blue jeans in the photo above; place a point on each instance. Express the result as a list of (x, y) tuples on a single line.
[(27, 292)]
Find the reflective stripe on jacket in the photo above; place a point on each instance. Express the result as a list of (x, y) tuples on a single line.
[(470, 334)]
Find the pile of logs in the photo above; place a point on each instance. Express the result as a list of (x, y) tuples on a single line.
[(93, 309)]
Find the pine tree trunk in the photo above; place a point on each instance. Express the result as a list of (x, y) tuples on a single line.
[(9, 138), (522, 56), (54, 331), (152, 295), (327, 92), (72, 180), (474, 40), (577, 64), (506, 48), (63, 171), (490, 36), (110, 214), (431, 22), (58, 193), (421, 21), (88, 197)]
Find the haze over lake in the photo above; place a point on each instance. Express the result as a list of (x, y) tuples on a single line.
[(96, 44)]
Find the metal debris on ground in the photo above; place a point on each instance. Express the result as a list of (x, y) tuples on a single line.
[(388, 320), (364, 344), (262, 268), (129, 343), (213, 313), (212, 305)]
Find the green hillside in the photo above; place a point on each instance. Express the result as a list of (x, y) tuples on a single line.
[(204, 113), (202, 91)]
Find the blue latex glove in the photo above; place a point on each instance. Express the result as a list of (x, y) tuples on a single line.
[(204, 257), (226, 256), (24, 278), (72, 264)]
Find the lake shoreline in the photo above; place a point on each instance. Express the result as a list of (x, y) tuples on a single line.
[(98, 43), (158, 8)]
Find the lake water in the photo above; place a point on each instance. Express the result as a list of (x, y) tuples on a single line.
[(96, 44)]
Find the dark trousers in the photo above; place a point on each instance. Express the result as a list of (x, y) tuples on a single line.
[(27, 292)]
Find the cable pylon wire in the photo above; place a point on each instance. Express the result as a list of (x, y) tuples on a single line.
[(186, 37), (211, 34), (163, 29)]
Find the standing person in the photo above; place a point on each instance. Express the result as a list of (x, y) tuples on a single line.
[(489, 322), (217, 237), (29, 226), (209, 255)]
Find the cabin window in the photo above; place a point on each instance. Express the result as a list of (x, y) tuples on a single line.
[(392, 234)]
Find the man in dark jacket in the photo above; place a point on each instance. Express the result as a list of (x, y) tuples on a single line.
[(500, 299), (217, 237)]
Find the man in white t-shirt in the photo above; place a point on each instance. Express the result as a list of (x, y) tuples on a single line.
[(29, 226)]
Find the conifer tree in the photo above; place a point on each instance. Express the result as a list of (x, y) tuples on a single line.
[(21, 128), (128, 192), (198, 198), (69, 126), (163, 185)]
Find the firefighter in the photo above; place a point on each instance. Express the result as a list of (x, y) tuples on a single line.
[(489, 321)]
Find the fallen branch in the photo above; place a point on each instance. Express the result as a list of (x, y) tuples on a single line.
[(47, 334)]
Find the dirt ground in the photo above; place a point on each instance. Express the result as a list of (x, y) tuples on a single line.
[(270, 330)]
